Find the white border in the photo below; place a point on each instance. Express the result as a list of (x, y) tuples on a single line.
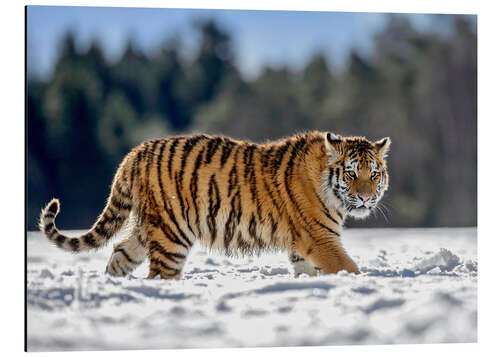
[(12, 170), (421, 6)]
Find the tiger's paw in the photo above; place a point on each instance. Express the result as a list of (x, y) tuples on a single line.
[(304, 267)]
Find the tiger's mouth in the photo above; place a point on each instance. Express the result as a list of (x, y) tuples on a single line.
[(360, 212), (357, 209)]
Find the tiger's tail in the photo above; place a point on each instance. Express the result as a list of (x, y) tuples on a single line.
[(111, 220)]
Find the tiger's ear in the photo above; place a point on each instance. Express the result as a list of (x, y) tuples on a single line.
[(333, 145), (382, 147)]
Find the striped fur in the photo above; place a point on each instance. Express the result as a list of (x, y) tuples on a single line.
[(234, 196)]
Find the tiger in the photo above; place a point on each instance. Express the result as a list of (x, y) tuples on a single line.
[(237, 197)]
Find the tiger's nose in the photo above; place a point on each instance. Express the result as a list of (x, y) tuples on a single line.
[(364, 198)]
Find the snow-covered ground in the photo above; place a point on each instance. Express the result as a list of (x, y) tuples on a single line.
[(416, 286)]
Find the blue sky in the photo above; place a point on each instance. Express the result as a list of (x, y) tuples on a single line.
[(259, 37)]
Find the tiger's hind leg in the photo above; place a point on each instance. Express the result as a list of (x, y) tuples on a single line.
[(167, 251), (302, 266), (127, 254)]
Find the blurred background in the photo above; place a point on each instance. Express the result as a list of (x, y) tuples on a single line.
[(101, 80)]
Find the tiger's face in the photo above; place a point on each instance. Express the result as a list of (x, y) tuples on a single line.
[(356, 176)]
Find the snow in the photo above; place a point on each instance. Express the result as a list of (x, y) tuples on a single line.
[(416, 286)]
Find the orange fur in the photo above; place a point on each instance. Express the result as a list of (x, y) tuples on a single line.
[(230, 195)]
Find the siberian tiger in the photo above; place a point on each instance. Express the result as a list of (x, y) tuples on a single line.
[(237, 197)]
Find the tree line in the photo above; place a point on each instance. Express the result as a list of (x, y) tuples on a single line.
[(418, 87)]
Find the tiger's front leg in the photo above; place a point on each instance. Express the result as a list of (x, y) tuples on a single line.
[(330, 257), (301, 265)]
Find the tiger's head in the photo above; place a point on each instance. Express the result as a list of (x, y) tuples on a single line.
[(356, 175)]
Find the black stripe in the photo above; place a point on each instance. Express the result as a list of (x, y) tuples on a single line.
[(168, 208), (243, 246), (121, 191), (156, 220), (125, 254), (339, 198), (232, 180), (60, 239), (119, 204), (239, 211), (330, 176), (193, 187), (189, 145), (315, 140), (179, 195), (100, 230), (53, 233), (108, 215), (158, 170), (252, 227), (180, 199), (112, 210), (164, 266), (327, 228), (213, 207), (274, 169), (172, 217), (310, 143), (212, 147), (49, 215), (132, 172), (104, 219), (269, 192), (278, 156), (175, 142), (118, 222), (141, 239), (248, 160), (266, 157), (274, 227), (74, 244), (227, 148), (231, 222), (48, 228), (153, 272), (297, 147), (252, 179), (139, 158), (175, 258), (290, 166), (151, 155), (229, 229), (265, 162), (173, 237), (325, 209), (53, 207), (89, 240), (178, 255), (167, 232), (252, 230)]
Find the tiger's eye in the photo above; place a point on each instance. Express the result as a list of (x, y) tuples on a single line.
[(375, 175), (351, 174)]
